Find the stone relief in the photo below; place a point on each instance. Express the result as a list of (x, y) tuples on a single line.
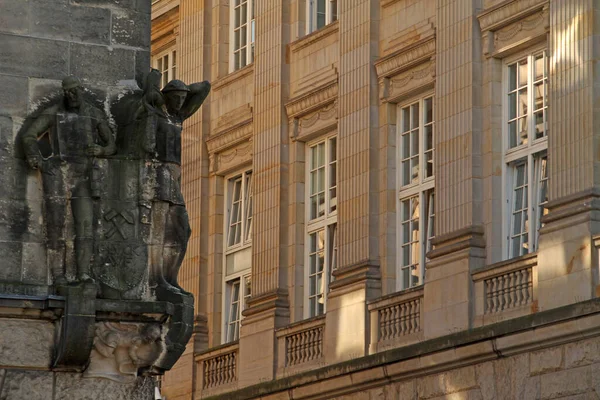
[(119, 202), (115, 222), (121, 350)]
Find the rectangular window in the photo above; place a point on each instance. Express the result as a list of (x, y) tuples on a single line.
[(526, 147), (321, 230), (166, 63), (416, 197), (321, 13), (238, 252), (243, 33), (238, 293), (239, 230)]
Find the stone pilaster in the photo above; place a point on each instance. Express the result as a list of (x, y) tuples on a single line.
[(569, 272), (357, 278), (268, 308), (458, 169)]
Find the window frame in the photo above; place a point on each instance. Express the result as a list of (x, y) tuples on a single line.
[(524, 153), (312, 11), (421, 188), (250, 34), (327, 223), (171, 72), (230, 280), (246, 196)]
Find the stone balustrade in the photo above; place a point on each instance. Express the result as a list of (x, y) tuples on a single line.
[(301, 345), (396, 319), (219, 367), (505, 290)]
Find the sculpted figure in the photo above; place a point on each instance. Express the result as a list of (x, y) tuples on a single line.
[(76, 132), (162, 114), (120, 350)]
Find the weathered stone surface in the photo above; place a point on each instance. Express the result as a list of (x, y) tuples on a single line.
[(71, 386), (34, 269), (431, 386), (13, 97), (460, 379), (26, 343), (50, 20), (10, 253), (485, 380), (583, 352), (29, 385), (565, 383), (90, 25), (546, 360), (131, 28), (14, 17), (33, 57), (101, 65), (406, 390), (132, 4)]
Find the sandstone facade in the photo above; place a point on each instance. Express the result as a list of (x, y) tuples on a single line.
[(418, 180)]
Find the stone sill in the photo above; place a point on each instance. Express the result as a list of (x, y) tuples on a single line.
[(232, 77), (489, 342), (314, 37)]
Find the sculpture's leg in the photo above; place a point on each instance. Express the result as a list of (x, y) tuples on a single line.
[(176, 241), (83, 215), (160, 211), (55, 211)]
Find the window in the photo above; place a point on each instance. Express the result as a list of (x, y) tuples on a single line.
[(416, 197), (243, 31), (238, 293), (321, 251), (526, 133), (166, 63), (321, 13), (238, 252)]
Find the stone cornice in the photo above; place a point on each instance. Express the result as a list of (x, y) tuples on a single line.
[(507, 12), (229, 137), (314, 37), (406, 57), (233, 77), (312, 100)]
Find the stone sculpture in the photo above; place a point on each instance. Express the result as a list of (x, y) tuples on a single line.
[(75, 133), (118, 204), (152, 131), (121, 350)]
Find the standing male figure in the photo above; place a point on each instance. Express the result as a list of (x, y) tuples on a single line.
[(165, 112), (77, 132)]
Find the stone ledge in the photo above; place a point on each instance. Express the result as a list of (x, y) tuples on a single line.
[(461, 348)]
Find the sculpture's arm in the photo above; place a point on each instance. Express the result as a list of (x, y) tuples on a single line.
[(30, 137), (107, 137), (195, 98)]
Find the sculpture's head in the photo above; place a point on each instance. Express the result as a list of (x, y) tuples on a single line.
[(175, 93), (72, 89)]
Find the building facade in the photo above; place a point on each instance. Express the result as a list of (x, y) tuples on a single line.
[(389, 198)]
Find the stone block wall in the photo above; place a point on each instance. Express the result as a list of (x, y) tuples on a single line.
[(103, 42)]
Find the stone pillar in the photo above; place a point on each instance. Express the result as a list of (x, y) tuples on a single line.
[(268, 308), (459, 245), (193, 66), (357, 278), (570, 266)]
